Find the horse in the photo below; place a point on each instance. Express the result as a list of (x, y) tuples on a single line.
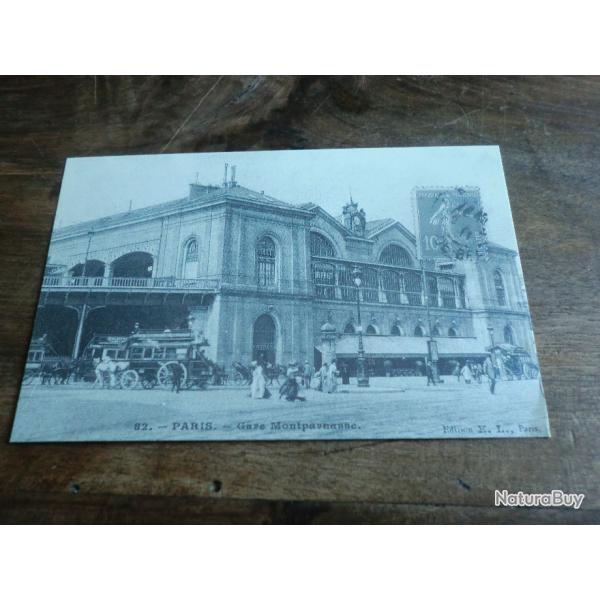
[(107, 371)]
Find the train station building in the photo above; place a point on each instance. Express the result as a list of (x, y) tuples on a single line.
[(262, 278)]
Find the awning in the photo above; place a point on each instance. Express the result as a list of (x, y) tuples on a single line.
[(392, 346)]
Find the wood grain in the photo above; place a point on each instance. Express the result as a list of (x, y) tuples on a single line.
[(548, 130)]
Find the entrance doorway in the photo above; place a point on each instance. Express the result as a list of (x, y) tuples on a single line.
[(263, 340)]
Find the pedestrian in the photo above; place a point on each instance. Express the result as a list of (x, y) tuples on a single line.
[(176, 377), (259, 383), (466, 373), (457, 372), (332, 378), (323, 376), (477, 372), (490, 370), (309, 371), (290, 387), (345, 373), (429, 373)]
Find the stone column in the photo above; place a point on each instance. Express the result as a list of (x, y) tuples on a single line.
[(328, 342)]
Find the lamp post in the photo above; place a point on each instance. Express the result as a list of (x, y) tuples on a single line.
[(87, 254), (361, 374), (432, 349), (83, 311), (492, 353)]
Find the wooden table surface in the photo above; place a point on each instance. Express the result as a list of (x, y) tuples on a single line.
[(548, 131)]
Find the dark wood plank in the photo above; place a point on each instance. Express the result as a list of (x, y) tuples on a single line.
[(549, 135)]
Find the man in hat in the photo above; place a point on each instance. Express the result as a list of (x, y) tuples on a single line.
[(176, 377), (490, 370), (307, 376), (429, 373)]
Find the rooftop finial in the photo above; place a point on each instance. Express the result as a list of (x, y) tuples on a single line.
[(233, 181), (225, 176)]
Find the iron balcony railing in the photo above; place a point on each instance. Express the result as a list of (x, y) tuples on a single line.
[(382, 284), (155, 283)]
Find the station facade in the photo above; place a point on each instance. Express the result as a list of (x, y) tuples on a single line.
[(262, 278)]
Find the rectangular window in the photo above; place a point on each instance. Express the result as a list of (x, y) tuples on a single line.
[(136, 353)]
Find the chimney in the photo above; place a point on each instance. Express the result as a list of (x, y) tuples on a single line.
[(233, 181), (225, 177)]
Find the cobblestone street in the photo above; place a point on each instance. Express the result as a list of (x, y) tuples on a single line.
[(390, 408)]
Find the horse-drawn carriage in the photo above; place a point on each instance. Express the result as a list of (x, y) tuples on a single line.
[(44, 364), (147, 359), (514, 362), (243, 374)]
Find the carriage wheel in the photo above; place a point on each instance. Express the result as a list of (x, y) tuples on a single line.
[(165, 374), (129, 379)]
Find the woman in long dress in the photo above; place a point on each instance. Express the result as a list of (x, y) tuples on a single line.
[(257, 388), (466, 373), (332, 377), (323, 377)]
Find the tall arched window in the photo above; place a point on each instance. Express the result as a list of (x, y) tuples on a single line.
[(436, 331), (395, 255), (452, 332), (500, 288), (349, 328), (320, 245), (419, 331), (371, 330), (266, 255), (509, 337), (396, 330), (190, 260)]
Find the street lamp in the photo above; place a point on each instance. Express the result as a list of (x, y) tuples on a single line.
[(492, 353), (361, 374), (90, 234)]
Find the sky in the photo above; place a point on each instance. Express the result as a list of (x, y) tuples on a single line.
[(380, 180)]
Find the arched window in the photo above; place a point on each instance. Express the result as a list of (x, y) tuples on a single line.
[(134, 265), (436, 331), (371, 330), (396, 330), (264, 340), (349, 328), (419, 331), (320, 245), (509, 337), (452, 332), (395, 255), (500, 289), (266, 255), (190, 260)]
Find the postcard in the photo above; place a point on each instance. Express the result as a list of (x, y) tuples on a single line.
[(283, 295)]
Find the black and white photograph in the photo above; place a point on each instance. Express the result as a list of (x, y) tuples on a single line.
[(283, 295)]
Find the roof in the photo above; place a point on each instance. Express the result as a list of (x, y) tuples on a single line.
[(199, 195), (397, 346), (373, 226), (495, 246)]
